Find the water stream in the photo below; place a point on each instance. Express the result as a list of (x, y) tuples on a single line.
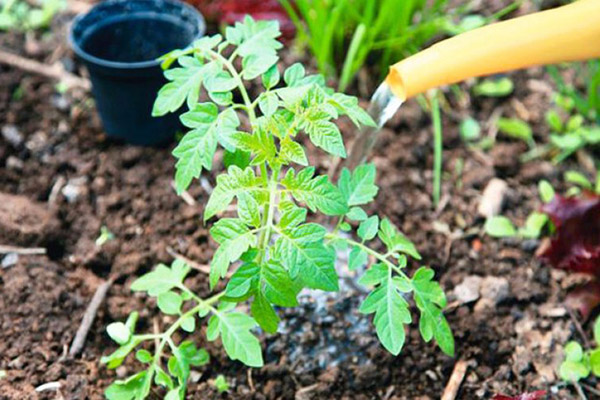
[(382, 107)]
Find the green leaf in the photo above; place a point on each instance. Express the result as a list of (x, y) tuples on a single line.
[(248, 210), (144, 356), (318, 193), (302, 251), (292, 152), (595, 361), (239, 158), (239, 343), (129, 389), (579, 179), (268, 103), (271, 78), (374, 275), (574, 123), (291, 216), (494, 87), (357, 258), (430, 300), (116, 358), (189, 324), (368, 228), (256, 65), (573, 371), (264, 314), (185, 85), (469, 130), (500, 227), (597, 332), (197, 148), (396, 241), (163, 379), (391, 314), (243, 280), (161, 279), (349, 106), (516, 129), (235, 239), (258, 37), (554, 121), (260, 145), (221, 384), (573, 351), (279, 287), (294, 74), (234, 35), (170, 303), (356, 214), (546, 191), (326, 135), (230, 185), (119, 332), (220, 82), (534, 225), (358, 187)]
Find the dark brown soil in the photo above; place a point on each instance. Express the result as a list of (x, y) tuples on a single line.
[(325, 348)]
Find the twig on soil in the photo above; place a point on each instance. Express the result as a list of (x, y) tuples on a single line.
[(185, 195), (200, 267), (590, 389), (250, 381), (22, 251), (458, 374), (54, 71), (48, 386), (55, 191), (579, 390), (579, 328), (88, 318)]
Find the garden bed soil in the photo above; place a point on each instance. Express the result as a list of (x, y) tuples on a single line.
[(56, 158)]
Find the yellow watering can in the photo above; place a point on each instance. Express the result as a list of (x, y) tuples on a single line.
[(567, 33)]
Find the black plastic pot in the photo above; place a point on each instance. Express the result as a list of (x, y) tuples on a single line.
[(119, 42)]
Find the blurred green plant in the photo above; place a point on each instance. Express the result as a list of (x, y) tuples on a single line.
[(501, 227), (574, 119), (579, 363), (20, 15), (344, 35)]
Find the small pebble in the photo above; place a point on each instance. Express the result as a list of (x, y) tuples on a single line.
[(495, 288), (468, 290), (11, 134), (9, 260), (492, 198)]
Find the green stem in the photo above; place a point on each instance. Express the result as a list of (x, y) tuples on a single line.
[(240, 83), (381, 257), (437, 149), (271, 209), (166, 336)]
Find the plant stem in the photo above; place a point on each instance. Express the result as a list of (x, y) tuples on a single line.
[(240, 84), (437, 149), (381, 257), (271, 209), (177, 324)]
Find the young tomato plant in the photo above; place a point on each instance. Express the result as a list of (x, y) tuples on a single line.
[(579, 363), (276, 253)]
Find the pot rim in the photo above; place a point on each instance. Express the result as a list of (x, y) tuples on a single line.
[(89, 58)]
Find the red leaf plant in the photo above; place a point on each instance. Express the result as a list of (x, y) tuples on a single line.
[(231, 11), (576, 244), (525, 396)]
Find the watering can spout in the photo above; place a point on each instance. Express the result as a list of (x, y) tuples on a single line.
[(567, 33)]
